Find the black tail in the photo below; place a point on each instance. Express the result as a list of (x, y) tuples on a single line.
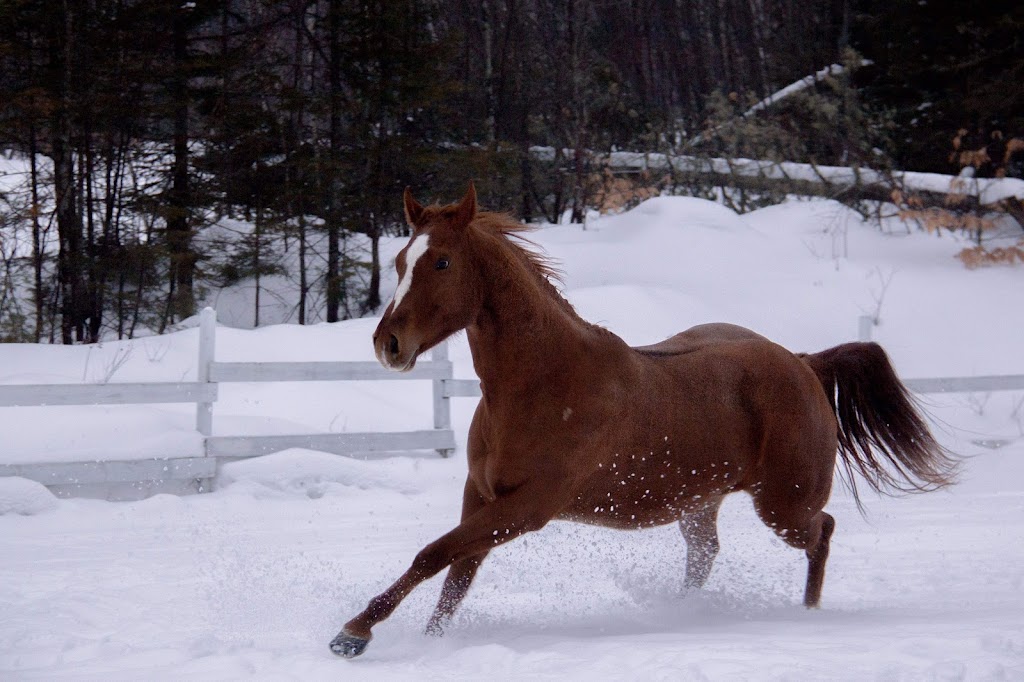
[(879, 423)]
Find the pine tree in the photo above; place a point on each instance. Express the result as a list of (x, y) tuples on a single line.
[(944, 66)]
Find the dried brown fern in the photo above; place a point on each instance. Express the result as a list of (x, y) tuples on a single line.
[(616, 192), (979, 256)]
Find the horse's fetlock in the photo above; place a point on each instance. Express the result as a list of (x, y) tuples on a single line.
[(381, 604)]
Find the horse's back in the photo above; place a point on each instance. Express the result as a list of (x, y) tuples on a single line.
[(734, 360), (700, 337)]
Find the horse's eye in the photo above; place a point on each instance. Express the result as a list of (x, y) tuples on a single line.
[(442, 264)]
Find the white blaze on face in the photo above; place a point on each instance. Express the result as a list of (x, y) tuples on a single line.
[(416, 250)]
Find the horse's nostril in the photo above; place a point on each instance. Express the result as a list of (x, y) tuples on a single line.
[(393, 345)]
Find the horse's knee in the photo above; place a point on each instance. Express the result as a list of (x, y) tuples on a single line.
[(828, 526), (798, 523), (808, 534)]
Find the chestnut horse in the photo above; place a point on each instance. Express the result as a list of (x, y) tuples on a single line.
[(574, 424)]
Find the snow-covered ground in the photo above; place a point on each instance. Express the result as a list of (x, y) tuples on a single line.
[(253, 580)]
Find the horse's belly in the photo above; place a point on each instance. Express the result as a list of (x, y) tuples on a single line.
[(656, 492)]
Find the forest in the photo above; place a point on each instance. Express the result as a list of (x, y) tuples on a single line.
[(152, 151)]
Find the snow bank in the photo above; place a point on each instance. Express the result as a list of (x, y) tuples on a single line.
[(312, 474), (25, 497)]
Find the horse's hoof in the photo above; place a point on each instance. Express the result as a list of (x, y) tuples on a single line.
[(348, 646)]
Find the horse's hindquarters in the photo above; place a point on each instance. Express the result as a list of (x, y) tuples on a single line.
[(728, 416)]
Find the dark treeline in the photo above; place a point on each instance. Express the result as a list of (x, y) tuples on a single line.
[(169, 147)]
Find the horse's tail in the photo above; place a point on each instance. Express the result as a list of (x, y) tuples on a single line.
[(879, 423)]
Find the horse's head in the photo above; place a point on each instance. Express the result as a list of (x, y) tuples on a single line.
[(437, 292)]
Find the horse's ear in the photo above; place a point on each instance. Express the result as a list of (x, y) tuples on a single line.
[(413, 209), (466, 210)]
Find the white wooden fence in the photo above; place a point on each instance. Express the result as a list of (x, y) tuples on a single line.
[(204, 391), (199, 472), (438, 371)]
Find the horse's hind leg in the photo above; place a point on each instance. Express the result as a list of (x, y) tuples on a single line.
[(700, 528), (817, 555), (803, 528)]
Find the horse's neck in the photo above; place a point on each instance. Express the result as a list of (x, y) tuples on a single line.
[(521, 340)]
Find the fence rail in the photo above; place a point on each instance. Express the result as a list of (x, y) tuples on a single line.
[(204, 392), (324, 371), (983, 384), (442, 440), (27, 395), (200, 469)]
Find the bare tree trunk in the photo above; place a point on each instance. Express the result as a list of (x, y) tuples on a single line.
[(122, 287), (258, 237), (69, 223), (372, 302), (578, 116), (137, 311), (303, 274), (179, 238), (759, 30), (333, 274), (295, 176), (95, 251), (115, 156), (488, 35), (38, 248)]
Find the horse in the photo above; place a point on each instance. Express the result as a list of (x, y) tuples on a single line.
[(574, 424)]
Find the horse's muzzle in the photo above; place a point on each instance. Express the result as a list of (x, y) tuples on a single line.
[(392, 353)]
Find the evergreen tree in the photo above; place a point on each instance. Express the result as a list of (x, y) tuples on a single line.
[(944, 66), (148, 123)]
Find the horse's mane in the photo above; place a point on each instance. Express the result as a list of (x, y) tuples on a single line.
[(512, 235), (506, 226)]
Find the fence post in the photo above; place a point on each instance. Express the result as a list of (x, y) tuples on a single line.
[(864, 324), (442, 403), (207, 337)]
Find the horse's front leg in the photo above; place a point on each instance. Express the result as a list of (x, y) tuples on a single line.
[(527, 508), (461, 574)]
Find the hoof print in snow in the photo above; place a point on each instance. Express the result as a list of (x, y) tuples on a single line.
[(348, 646)]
